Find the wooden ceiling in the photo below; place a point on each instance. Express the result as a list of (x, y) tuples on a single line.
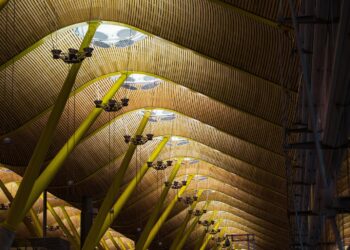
[(221, 65)]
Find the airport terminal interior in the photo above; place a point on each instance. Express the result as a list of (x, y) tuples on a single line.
[(174, 124)]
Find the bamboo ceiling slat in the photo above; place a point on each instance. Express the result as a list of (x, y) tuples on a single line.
[(234, 88), (82, 104), (236, 186), (10, 179), (181, 23)]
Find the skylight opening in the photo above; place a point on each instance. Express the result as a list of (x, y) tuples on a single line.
[(111, 35), (139, 82)]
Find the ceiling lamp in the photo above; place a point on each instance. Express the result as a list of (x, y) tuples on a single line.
[(188, 200), (160, 165), (138, 139), (112, 105), (73, 55), (197, 212)]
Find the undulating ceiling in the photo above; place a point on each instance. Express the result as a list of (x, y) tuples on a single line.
[(212, 73)]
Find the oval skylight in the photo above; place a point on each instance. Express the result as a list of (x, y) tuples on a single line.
[(160, 115), (111, 35), (177, 141), (139, 82)]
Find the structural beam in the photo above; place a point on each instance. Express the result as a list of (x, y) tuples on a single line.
[(187, 233), (131, 187), (157, 209), (117, 243), (51, 170), (104, 244), (65, 230), (110, 209), (206, 241), (16, 212), (182, 228), (35, 229), (70, 223), (200, 240), (165, 215)]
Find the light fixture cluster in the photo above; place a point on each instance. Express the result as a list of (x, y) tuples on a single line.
[(214, 231), (72, 56), (188, 200), (160, 165), (112, 105), (138, 139), (175, 184), (197, 212)]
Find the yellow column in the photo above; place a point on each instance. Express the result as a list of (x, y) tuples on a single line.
[(165, 215), (16, 212)]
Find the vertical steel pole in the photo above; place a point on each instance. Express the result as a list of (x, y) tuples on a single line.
[(44, 214)]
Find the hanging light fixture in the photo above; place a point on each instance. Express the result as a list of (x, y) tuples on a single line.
[(188, 200), (72, 56), (175, 184), (138, 139), (206, 223), (160, 165), (197, 212), (112, 105)]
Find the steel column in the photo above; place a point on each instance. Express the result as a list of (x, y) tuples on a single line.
[(63, 226), (44, 213), (118, 244), (110, 209), (182, 228), (51, 170), (205, 243), (188, 232), (16, 212), (70, 223), (35, 229), (157, 209), (131, 187), (165, 215), (86, 218)]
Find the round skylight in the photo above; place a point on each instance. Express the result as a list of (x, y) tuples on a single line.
[(139, 82), (177, 141), (109, 35)]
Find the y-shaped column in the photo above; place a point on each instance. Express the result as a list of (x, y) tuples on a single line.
[(154, 216), (165, 215), (181, 229), (110, 209), (51, 170), (16, 212)]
